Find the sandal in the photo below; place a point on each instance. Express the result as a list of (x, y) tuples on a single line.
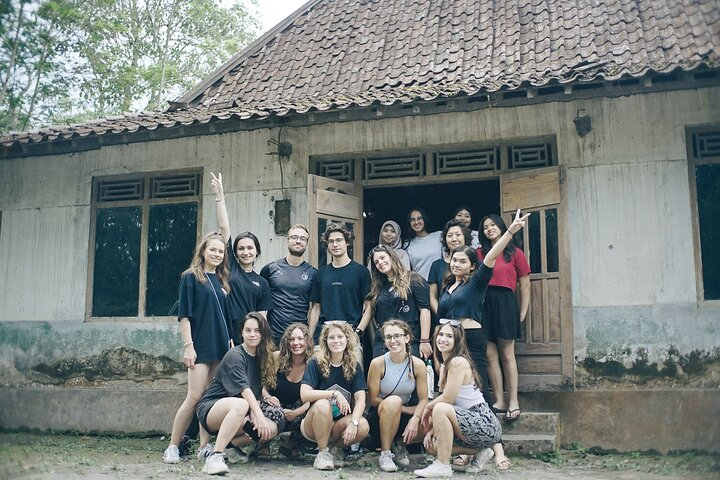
[(461, 461), (511, 416), (503, 464), (497, 410)]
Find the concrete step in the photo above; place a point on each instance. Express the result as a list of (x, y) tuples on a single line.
[(547, 423), (518, 444)]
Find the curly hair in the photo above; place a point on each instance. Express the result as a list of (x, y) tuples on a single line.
[(401, 277), (268, 361), (197, 264), (454, 223), (337, 227), (459, 350), (349, 360), (285, 355)]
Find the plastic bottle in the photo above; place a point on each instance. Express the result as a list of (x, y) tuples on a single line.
[(430, 379)]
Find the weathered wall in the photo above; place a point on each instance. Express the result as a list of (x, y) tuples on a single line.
[(633, 282)]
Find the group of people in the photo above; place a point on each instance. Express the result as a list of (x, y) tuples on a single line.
[(245, 390)]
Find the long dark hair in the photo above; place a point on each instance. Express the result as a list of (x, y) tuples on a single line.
[(252, 237), (411, 234), (486, 245), (459, 350), (268, 361), (471, 253)]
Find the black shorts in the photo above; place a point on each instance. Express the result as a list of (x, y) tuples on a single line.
[(374, 420), (501, 315)]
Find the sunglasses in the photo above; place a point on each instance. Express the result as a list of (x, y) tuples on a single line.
[(451, 321)]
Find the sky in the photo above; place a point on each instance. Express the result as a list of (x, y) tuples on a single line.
[(274, 11)]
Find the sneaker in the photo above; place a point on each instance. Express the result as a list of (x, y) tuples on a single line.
[(234, 454), (205, 451), (479, 461), (215, 464), (401, 455), (385, 460), (435, 469), (324, 460), (171, 454), (338, 454)]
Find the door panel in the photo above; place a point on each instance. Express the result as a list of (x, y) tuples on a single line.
[(334, 201), (544, 353)]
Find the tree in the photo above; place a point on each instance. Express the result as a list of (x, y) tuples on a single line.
[(85, 59)]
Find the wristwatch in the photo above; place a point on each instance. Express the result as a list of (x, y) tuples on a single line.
[(355, 422)]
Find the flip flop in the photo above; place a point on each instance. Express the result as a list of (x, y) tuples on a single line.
[(503, 464), (510, 417), (497, 410)]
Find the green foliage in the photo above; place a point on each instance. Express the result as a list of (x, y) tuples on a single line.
[(65, 61)]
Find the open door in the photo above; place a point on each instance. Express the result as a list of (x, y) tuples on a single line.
[(545, 352), (334, 201)]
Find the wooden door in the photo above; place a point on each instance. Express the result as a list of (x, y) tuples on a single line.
[(334, 201), (545, 351)]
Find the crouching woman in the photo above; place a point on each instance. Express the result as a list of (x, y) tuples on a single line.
[(335, 386), (459, 419), (231, 407)]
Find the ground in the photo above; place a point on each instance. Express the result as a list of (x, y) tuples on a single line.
[(44, 457)]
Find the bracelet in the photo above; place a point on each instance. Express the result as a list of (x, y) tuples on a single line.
[(424, 340), (220, 199), (187, 344)]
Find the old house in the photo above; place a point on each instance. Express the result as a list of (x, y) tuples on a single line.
[(602, 118)]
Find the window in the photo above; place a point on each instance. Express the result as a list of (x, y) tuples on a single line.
[(144, 231), (704, 150)]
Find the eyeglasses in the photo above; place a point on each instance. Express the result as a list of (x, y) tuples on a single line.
[(395, 336), (415, 219), (295, 238), (451, 321), (336, 241)]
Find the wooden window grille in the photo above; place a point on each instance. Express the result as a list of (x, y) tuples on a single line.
[(118, 190), (393, 167), (343, 170), (530, 156), (706, 144), (487, 159), (180, 186)]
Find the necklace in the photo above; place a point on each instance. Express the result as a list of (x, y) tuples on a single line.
[(336, 366), (246, 350)]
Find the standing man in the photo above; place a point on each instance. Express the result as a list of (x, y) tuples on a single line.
[(340, 288), (290, 280)]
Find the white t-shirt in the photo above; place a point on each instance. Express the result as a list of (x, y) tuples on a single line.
[(423, 251)]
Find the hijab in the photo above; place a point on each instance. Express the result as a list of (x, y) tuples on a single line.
[(398, 239)]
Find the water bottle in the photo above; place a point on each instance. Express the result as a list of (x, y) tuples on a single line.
[(430, 379)]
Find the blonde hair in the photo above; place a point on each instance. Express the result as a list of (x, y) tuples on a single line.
[(300, 226), (349, 360), (197, 264), (402, 278)]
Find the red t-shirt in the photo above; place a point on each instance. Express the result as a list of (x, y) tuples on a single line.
[(506, 274)]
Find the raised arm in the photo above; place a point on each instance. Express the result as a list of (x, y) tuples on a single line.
[(221, 207), (503, 241)]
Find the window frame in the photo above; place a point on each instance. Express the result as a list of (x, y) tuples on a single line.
[(144, 203), (692, 162)]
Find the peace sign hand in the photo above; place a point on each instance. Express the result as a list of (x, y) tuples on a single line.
[(518, 223), (217, 184)]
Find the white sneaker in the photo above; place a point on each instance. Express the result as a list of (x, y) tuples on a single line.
[(171, 454), (435, 469), (234, 454), (479, 461), (401, 456), (385, 460), (215, 465), (324, 460), (205, 451)]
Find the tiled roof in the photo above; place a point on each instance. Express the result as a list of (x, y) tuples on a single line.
[(342, 53)]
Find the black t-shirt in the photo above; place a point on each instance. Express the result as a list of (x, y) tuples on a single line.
[(466, 301), (286, 391), (249, 292), (438, 269), (335, 381), (290, 289), (341, 292), (390, 305), (238, 371), (209, 316)]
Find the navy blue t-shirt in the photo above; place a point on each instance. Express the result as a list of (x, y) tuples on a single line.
[(438, 269), (209, 327), (466, 301), (249, 292), (335, 381), (341, 292), (290, 289)]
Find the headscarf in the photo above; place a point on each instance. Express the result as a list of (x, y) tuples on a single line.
[(398, 232)]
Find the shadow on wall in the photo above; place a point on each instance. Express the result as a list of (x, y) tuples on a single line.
[(697, 369), (113, 364)]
